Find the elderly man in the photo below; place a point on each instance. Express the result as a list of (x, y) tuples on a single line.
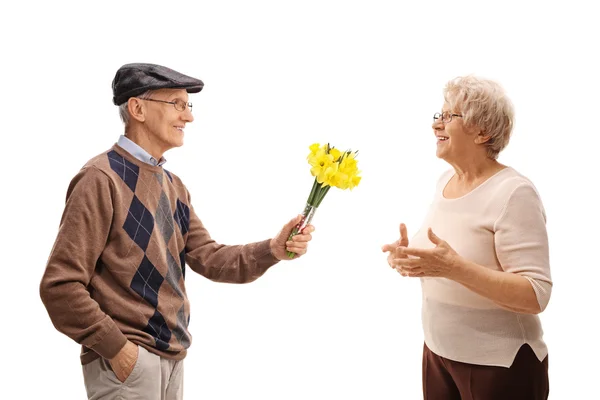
[(115, 279)]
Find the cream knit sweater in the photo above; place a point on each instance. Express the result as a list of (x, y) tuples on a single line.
[(500, 225)]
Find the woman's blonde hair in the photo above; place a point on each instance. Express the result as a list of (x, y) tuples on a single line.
[(483, 103)]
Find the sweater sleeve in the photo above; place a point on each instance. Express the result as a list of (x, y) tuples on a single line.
[(521, 240), (82, 235), (222, 263)]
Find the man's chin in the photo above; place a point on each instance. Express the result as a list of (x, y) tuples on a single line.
[(176, 142)]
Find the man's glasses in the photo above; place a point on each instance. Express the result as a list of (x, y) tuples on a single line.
[(179, 104), (446, 116)]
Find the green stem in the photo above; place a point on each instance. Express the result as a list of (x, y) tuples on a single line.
[(322, 196), (313, 192)]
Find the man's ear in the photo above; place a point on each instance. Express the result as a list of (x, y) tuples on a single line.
[(136, 108)]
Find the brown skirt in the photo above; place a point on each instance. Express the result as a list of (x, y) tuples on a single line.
[(444, 379)]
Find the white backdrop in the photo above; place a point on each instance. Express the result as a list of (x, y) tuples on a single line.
[(280, 75)]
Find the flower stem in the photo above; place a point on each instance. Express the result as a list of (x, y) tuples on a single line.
[(307, 215), (322, 196), (313, 192)]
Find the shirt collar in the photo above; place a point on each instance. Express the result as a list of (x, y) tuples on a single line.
[(138, 152)]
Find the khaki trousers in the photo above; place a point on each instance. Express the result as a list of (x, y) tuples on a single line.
[(152, 378)]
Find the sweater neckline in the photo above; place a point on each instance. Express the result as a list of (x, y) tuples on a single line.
[(477, 189), (129, 157)]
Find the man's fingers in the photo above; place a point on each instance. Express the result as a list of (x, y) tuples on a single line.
[(293, 222), (302, 237), (298, 250), (308, 229), (296, 247)]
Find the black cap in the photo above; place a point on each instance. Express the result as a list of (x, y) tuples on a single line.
[(134, 79)]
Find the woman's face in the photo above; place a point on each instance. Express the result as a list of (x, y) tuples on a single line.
[(454, 140)]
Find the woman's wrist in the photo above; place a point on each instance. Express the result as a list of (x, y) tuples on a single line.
[(460, 269)]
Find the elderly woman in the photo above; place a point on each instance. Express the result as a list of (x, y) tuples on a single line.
[(482, 257)]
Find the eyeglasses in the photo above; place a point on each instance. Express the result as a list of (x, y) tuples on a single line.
[(179, 104), (446, 116)]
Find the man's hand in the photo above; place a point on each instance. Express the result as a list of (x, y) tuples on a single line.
[(280, 244), (122, 364), (393, 248)]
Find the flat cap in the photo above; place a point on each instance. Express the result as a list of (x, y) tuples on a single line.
[(134, 79)]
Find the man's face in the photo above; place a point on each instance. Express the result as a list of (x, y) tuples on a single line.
[(164, 123)]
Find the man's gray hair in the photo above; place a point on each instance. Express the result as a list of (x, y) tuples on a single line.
[(124, 111)]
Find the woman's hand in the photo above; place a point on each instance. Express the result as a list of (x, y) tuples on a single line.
[(441, 261), (392, 248)]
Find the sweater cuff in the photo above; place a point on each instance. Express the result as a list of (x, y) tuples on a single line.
[(263, 255), (542, 291), (111, 342)]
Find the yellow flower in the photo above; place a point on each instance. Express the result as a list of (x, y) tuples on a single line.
[(320, 161), (327, 173), (331, 168), (314, 148), (336, 154), (347, 174)]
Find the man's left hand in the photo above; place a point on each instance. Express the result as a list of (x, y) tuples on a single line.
[(280, 244)]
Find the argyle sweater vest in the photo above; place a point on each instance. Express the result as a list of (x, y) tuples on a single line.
[(117, 268)]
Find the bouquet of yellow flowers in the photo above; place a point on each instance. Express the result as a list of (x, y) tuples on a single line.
[(331, 168)]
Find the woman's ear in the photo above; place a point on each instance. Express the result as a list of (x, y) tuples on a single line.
[(482, 138)]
